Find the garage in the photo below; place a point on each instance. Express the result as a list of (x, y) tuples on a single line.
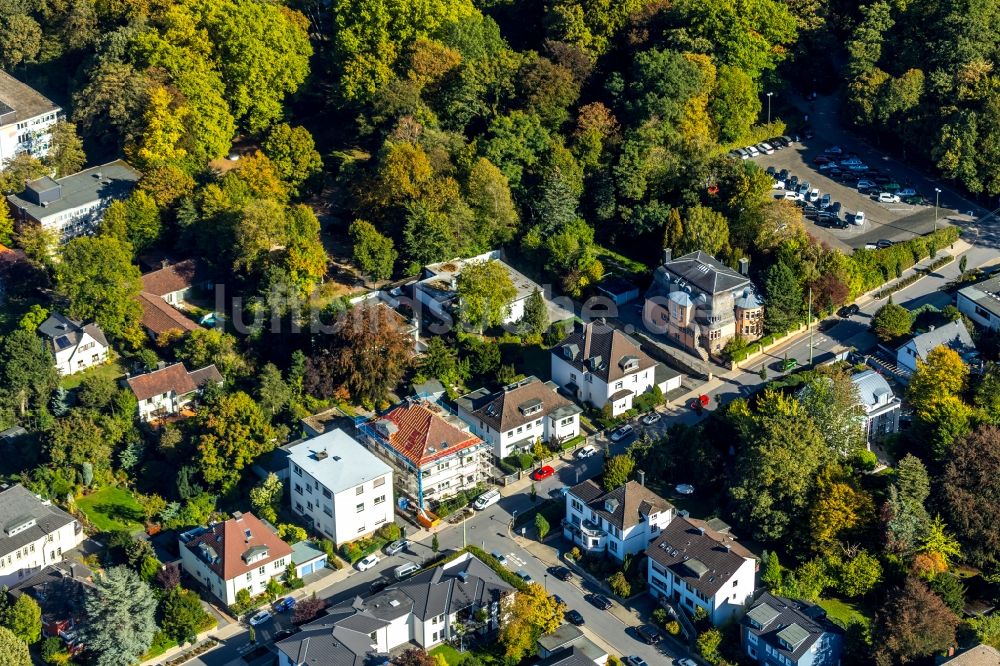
[(307, 558)]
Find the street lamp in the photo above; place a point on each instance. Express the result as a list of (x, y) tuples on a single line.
[(937, 200), (769, 107), (546, 582)]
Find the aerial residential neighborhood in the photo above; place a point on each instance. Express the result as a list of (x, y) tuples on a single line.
[(507, 333)]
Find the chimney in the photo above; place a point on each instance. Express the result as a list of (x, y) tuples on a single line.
[(744, 266), (642, 477), (701, 530), (237, 515), (931, 327), (668, 254)]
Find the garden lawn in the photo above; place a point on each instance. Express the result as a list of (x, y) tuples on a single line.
[(452, 656), (845, 612), (110, 370), (112, 509)]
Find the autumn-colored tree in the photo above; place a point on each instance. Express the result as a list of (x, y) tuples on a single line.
[(970, 494), (533, 613), (944, 374), (160, 142), (233, 433), (912, 624), (840, 509), (617, 470)]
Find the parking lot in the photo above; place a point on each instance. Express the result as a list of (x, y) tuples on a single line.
[(882, 221)]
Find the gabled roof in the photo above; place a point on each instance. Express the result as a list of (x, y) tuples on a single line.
[(703, 271), (514, 405), (158, 316), (175, 277), (63, 333), (954, 335), (225, 547), (704, 559), (25, 101), (798, 623), (600, 349), (174, 378), (420, 434), (629, 503), (337, 460), (26, 519)]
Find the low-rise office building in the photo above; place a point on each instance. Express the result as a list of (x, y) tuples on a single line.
[(26, 119)]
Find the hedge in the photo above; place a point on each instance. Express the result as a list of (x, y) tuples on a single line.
[(910, 279), (460, 500), (355, 550)]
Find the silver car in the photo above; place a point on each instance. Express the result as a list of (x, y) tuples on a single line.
[(397, 547)]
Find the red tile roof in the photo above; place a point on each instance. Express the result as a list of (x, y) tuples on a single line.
[(423, 436), (158, 316), (176, 277), (172, 378), (230, 542)]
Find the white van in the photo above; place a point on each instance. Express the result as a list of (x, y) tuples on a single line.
[(404, 570), (489, 498)]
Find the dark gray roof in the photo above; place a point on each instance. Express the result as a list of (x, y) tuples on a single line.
[(512, 405), (63, 332), (325, 642), (985, 294), (703, 271), (703, 558), (799, 623), (561, 637), (630, 502), (117, 180), (452, 587), (600, 349), (954, 335), (18, 507), (13, 433), (572, 656), (24, 100), (616, 286)]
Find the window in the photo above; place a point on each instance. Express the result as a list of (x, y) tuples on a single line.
[(566, 421), (328, 511), (309, 506), (439, 619), (360, 507), (361, 529), (261, 571), (380, 520), (327, 494), (249, 575), (379, 482), (735, 582), (618, 385), (360, 489), (297, 470), (577, 504), (613, 546), (298, 489), (520, 429), (279, 563), (373, 636), (379, 499), (298, 507), (572, 376)]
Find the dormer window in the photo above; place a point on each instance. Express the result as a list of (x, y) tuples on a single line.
[(630, 363), (530, 407)]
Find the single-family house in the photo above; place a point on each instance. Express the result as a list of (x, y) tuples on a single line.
[(242, 553), (979, 655), (167, 289), (954, 335), (35, 534), (26, 119), (339, 487), (621, 522), (701, 304), (694, 566), (427, 609), (167, 391), (980, 302), (53, 588), (437, 288), (567, 640), (512, 419), (881, 406), (76, 346), (434, 457), (782, 632), (74, 205), (599, 364)]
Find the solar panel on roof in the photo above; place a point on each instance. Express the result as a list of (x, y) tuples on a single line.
[(62, 342)]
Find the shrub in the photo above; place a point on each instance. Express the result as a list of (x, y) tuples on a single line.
[(291, 533), (53, 652), (619, 585), (864, 460), (542, 525), (574, 554), (389, 532), (673, 628), (243, 597), (525, 460)]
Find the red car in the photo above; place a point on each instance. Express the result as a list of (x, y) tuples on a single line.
[(542, 473)]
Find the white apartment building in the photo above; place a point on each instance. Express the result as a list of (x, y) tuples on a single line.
[(170, 390), (26, 119), (239, 554), (433, 456), (600, 365), (424, 610), (75, 346), (512, 419), (621, 522), (35, 534), (695, 566), (74, 205), (339, 486)]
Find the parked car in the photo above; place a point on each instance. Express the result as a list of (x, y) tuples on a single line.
[(859, 217), (783, 174), (562, 573), (635, 660), (543, 472), (285, 604), (367, 563), (836, 207), (735, 153), (864, 183), (499, 557), (586, 451), (684, 489), (892, 187), (651, 418), (778, 185), (260, 617), (600, 601), (849, 310), (396, 547), (765, 148), (648, 633), (574, 617), (770, 171), (804, 187), (489, 498), (825, 200), (850, 161), (813, 195), (790, 196), (789, 364), (523, 575), (404, 570), (685, 662), (887, 197), (753, 151), (917, 200), (621, 433), (884, 243), (907, 192), (792, 182), (834, 150), (858, 167)]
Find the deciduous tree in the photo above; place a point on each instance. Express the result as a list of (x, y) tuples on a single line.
[(969, 492), (891, 322), (265, 498), (912, 624), (183, 615), (293, 153), (784, 298), (832, 401), (617, 470), (943, 375), (485, 292), (536, 315), (65, 154), (233, 433), (23, 617), (13, 651), (373, 253), (533, 613)]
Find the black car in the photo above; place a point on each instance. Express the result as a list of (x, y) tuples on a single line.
[(770, 171), (783, 174), (562, 573), (600, 601), (849, 310), (574, 617), (648, 633), (791, 182)]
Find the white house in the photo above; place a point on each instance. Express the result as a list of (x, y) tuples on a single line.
[(953, 335), (35, 534), (425, 610), (74, 205), (881, 406), (167, 391), (339, 486), (513, 418), (621, 522), (436, 289), (981, 302), (26, 119), (600, 365), (239, 554), (76, 346), (694, 566), (434, 457)]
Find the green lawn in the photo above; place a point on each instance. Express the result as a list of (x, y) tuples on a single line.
[(845, 613), (112, 509), (111, 370), (450, 654), (618, 263), (527, 359)]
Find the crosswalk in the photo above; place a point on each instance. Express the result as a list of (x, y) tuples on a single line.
[(514, 559)]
